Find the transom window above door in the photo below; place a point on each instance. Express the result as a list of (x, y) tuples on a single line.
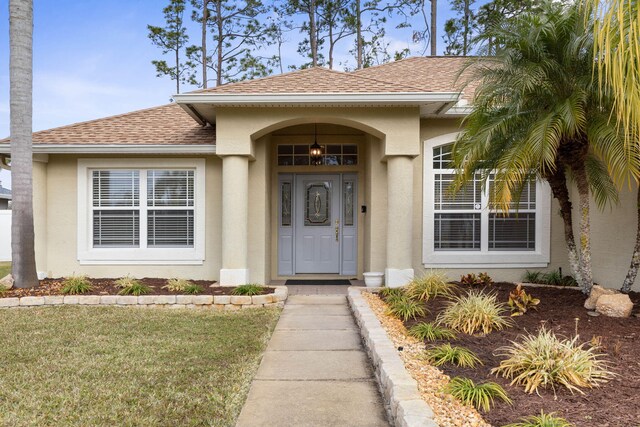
[(465, 228), (332, 155)]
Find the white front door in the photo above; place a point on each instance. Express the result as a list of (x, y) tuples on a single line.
[(317, 225)]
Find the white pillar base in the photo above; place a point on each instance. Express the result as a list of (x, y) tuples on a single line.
[(234, 276), (395, 277)]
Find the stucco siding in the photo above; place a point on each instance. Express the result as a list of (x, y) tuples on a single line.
[(62, 229)]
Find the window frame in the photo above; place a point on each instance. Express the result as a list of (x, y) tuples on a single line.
[(483, 258), (87, 254)]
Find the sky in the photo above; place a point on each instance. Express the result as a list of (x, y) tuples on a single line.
[(93, 58)]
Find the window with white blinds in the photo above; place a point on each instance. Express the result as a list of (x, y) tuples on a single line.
[(165, 218), (464, 228)]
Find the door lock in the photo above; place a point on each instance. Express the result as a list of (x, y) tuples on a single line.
[(337, 229)]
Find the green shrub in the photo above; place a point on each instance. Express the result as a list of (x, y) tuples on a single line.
[(543, 360), (248, 289), (471, 280), (131, 286), (391, 293), (474, 312), (430, 285), (193, 289), (76, 285), (554, 278), (520, 301), (177, 285), (480, 396), (542, 420), (445, 353), (533, 277), (431, 332), (404, 308)]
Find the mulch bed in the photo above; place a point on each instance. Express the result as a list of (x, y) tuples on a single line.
[(614, 404), (106, 286)]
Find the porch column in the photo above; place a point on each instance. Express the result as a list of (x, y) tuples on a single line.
[(235, 210), (399, 269)]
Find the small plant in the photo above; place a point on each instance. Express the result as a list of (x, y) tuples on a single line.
[(249, 289), (554, 278), (390, 293), (76, 285), (431, 332), (520, 301), (430, 285), (533, 277), (404, 308), (177, 285), (480, 396), (544, 360), (131, 286), (475, 312), (542, 420), (472, 280), (193, 289), (446, 353)]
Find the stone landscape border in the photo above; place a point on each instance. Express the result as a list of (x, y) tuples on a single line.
[(216, 302), (405, 406)]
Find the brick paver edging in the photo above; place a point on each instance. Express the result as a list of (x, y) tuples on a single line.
[(405, 406), (217, 302)]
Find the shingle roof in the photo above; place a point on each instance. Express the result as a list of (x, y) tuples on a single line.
[(167, 124), (5, 193), (429, 73), (314, 80), (170, 124)]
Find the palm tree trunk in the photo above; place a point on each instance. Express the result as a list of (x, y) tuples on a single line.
[(580, 175), (558, 183), (21, 115), (635, 258)]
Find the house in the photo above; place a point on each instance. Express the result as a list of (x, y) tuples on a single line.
[(5, 198), (227, 183)]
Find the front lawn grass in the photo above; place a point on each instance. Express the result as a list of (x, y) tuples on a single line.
[(102, 366), (5, 268)]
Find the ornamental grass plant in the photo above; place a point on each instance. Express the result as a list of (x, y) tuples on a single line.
[(475, 312), (431, 285), (543, 360), (481, 396)]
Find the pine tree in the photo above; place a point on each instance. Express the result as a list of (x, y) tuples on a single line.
[(459, 31), (172, 38), (238, 31)]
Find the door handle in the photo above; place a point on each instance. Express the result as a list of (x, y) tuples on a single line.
[(337, 229)]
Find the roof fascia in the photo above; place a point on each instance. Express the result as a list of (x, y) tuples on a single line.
[(399, 98), (117, 148)]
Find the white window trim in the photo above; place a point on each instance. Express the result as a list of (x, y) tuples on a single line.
[(88, 255), (540, 257)]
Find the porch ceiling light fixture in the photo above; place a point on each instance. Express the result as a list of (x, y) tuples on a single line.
[(315, 151)]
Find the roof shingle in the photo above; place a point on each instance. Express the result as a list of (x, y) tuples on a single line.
[(166, 124), (315, 80), (170, 124), (429, 73)]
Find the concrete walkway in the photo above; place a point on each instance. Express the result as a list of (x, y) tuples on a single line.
[(314, 372)]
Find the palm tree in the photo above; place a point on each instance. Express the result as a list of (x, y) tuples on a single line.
[(617, 45), (21, 90), (538, 114)]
